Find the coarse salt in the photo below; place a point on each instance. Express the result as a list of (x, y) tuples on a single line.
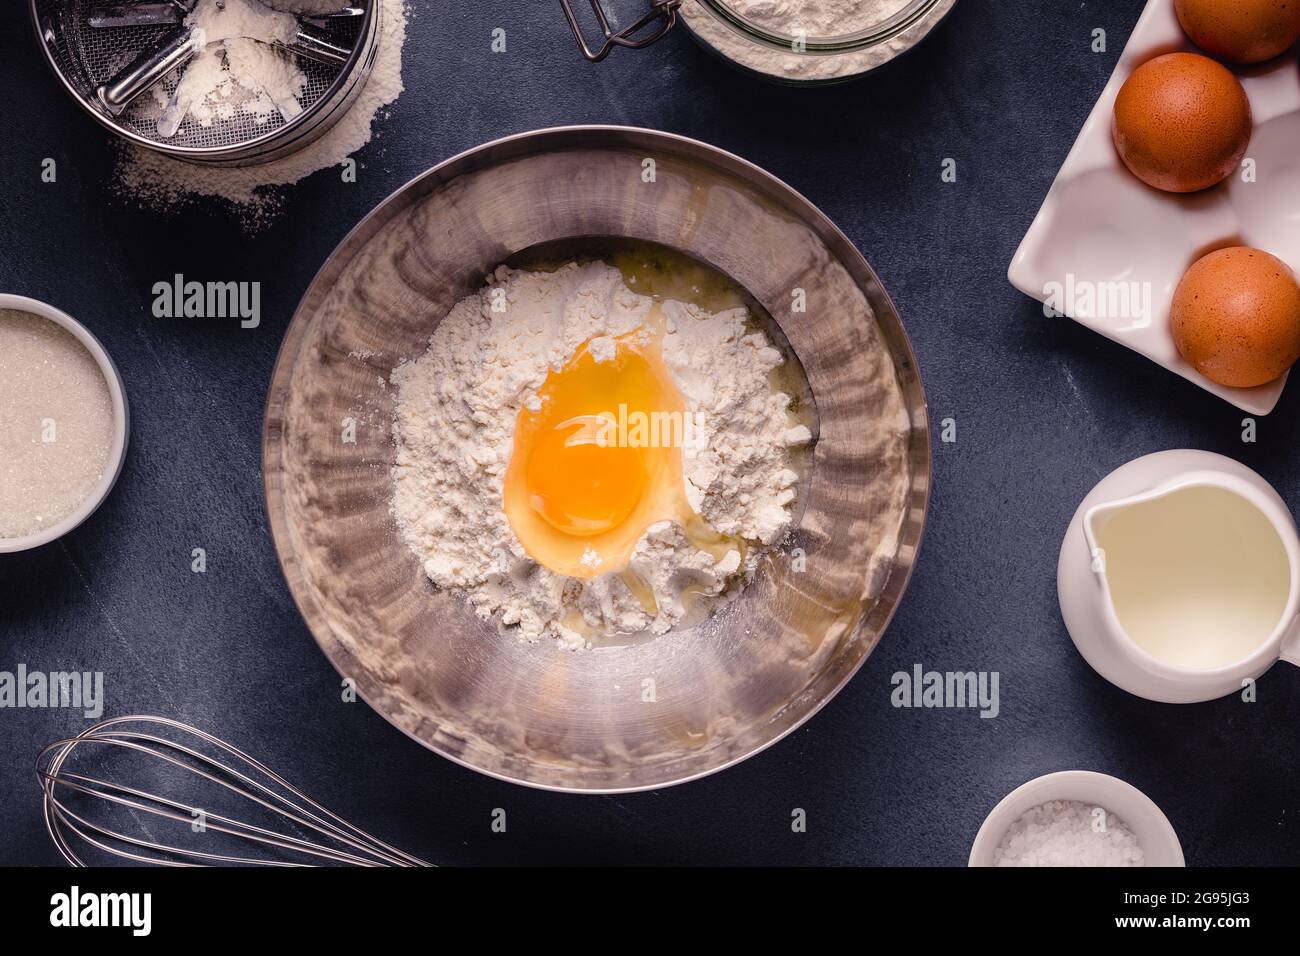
[(1068, 833)]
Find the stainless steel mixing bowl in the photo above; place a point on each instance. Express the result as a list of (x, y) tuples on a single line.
[(649, 713)]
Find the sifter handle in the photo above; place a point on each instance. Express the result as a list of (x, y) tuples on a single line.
[(148, 68), (311, 44)]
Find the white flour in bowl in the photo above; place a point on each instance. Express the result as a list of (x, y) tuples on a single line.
[(456, 415), (817, 18), (254, 192), (810, 19)]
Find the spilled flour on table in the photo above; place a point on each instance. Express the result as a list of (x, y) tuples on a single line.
[(256, 193), (456, 415)]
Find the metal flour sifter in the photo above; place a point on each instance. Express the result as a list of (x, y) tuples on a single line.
[(111, 56)]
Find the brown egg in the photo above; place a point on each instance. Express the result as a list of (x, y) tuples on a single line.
[(1182, 122), (1244, 31), (1236, 317)]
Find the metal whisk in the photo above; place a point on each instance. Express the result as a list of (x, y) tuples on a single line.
[(162, 748)]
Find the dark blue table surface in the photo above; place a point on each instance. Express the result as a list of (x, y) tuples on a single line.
[(1043, 407)]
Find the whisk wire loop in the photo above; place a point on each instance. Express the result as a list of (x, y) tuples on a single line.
[(243, 775)]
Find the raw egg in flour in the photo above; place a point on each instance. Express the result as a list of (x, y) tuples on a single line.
[(597, 457)]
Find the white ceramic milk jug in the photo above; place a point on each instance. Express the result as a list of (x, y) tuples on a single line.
[(1179, 577)]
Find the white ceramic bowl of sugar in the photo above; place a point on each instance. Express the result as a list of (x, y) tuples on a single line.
[(1155, 834), (121, 418)]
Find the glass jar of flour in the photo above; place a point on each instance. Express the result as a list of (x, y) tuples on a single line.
[(789, 41)]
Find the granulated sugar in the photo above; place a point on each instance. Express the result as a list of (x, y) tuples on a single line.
[(1068, 833), (256, 192), (56, 423)]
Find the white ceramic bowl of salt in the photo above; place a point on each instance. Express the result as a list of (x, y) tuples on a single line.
[(1155, 834), (117, 438)]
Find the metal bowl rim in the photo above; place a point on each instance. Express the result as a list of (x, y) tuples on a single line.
[(399, 200)]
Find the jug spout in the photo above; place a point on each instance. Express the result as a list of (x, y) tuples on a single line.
[(1096, 518), (1190, 581), (1198, 571)]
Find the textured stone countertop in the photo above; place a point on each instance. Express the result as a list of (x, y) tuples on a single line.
[(1043, 408)]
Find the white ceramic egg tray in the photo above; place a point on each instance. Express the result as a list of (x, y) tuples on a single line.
[(1102, 233)]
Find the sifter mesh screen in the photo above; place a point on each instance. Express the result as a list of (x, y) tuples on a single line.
[(99, 54)]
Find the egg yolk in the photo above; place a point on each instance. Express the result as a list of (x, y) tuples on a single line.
[(581, 488)]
